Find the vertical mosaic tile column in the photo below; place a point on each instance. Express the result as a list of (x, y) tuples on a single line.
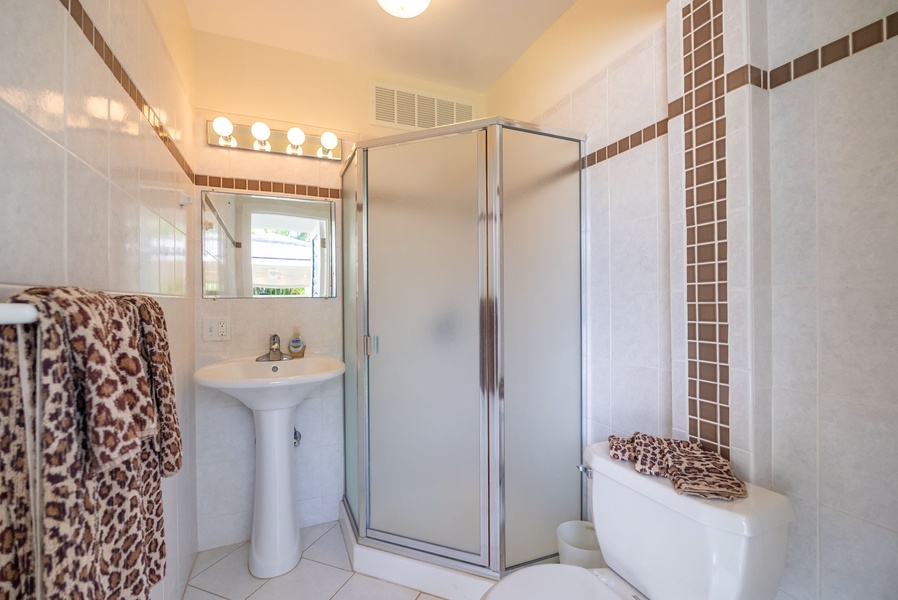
[(706, 227)]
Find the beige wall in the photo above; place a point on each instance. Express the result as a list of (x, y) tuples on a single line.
[(237, 77), (177, 35), (586, 39)]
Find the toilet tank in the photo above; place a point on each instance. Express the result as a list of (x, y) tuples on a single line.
[(674, 547)]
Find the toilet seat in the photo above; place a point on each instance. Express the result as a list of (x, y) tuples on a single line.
[(551, 582)]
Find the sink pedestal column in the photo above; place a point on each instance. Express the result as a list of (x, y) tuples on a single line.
[(276, 546)]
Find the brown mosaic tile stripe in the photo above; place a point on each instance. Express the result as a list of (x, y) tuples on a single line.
[(703, 110), (857, 41), (625, 143), (256, 185)]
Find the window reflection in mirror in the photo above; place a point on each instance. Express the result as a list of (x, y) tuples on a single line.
[(265, 246)]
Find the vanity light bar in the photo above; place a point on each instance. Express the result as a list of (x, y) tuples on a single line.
[(258, 137)]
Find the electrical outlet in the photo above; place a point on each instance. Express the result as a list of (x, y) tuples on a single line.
[(216, 329)]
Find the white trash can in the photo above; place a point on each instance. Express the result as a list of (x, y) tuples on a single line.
[(578, 545)]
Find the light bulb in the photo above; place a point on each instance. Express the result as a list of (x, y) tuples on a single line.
[(296, 136), (261, 131), (223, 126), (329, 140), (404, 9)]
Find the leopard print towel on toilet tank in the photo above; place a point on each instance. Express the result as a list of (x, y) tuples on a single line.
[(88, 427)]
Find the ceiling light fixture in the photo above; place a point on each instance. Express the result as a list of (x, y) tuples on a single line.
[(259, 137), (404, 9)]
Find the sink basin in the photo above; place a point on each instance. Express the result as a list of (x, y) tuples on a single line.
[(272, 390), (270, 385)]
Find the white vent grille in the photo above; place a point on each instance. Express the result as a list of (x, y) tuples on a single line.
[(411, 109)]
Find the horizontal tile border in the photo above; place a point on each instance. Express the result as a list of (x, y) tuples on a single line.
[(625, 143), (256, 185), (95, 38)]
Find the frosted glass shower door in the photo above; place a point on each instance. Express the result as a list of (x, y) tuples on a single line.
[(425, 279)]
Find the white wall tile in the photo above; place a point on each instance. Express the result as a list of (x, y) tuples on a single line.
[(794, 234), (800, 576), (856, 558), (634, 255), (795, 443), (87, 216), (858, 220), (589, 112), (34, 34), (634, 184), (674, 39), (631, 105), (740, 410), (858, 116), (795, 338), (740, 328), (735, 34), (847, 467), (635, 320), (858, 329), (833, 19), (790, 29), (635, 392), (86, 101), (793, 132), (33, 198)]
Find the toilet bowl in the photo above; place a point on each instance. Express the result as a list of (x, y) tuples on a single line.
[(660, 545)]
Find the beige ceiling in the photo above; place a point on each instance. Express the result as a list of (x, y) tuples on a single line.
[(467, 44)]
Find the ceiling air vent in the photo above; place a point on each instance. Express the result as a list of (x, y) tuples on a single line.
[(411, 109)]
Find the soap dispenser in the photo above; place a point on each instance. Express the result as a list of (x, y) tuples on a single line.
[(297, 346)]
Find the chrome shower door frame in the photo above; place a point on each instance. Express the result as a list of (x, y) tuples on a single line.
[(490, 561)]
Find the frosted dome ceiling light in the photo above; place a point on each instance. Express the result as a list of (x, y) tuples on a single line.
[(261, 132), (329, 141), (295, 137), (404, 9), (224, 128)]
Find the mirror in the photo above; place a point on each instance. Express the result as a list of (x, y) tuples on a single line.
[(267, 246)]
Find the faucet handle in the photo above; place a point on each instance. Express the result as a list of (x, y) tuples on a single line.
[(274, 339)]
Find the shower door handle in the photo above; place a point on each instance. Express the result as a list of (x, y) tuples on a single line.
[(372, 345)]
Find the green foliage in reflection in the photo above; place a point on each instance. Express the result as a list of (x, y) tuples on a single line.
[(267, 291)]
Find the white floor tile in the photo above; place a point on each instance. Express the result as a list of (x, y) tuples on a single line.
[(425, 597), (192, 593), (330, 550), (361, 587), (207, 558), (229, 577), (310, 580), (310, 535)]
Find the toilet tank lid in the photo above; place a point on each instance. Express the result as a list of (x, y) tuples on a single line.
[(761, 511)]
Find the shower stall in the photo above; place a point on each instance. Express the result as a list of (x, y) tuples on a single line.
[(462, 339)]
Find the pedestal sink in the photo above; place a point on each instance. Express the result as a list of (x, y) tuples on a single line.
[(272, 390)]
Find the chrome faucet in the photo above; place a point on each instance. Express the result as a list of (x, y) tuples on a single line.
[(274, 351)]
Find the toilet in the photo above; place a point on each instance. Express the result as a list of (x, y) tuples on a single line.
[(663, 546)]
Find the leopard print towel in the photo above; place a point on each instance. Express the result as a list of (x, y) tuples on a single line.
[(705, 474), (621, 448), (651, 452), (107, 432)]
